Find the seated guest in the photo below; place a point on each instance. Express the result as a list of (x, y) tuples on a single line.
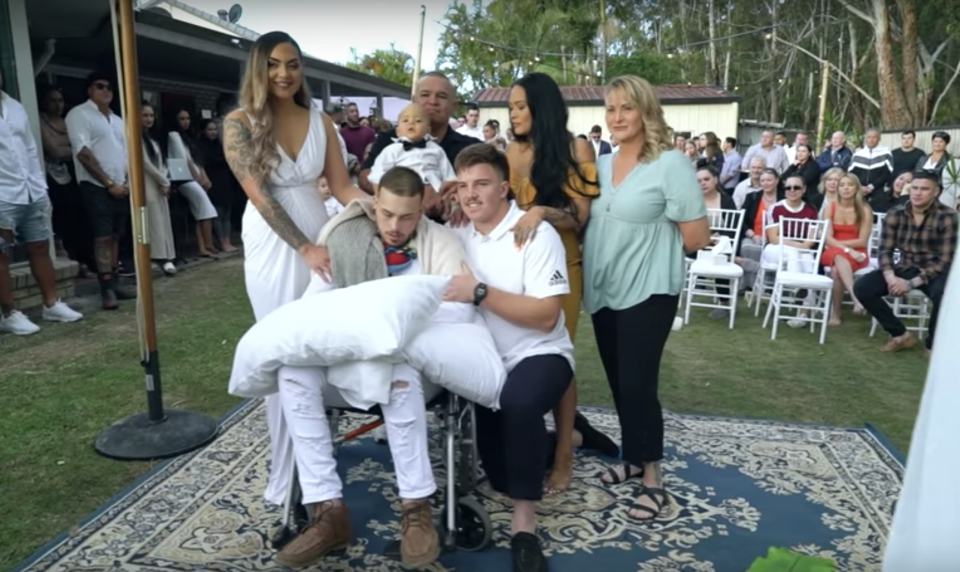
[(916, 250), (805, 166), (900, 191), (756, 215), (715, 200), (405, 243), (828, 190), (519, 293), (845, 249), (792, 207), (752, 183)]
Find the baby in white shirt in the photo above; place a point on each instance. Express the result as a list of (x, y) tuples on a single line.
[(415, 149)]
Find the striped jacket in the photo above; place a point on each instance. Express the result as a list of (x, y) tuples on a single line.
[(874, 168)]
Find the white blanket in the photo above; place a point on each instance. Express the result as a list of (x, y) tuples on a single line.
[(926, 524)]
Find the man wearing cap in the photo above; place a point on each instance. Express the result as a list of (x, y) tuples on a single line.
[(100, 157)]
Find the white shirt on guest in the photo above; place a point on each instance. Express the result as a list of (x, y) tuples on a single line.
[(538, 270), (103, 136), (475, 132), (22, 179), (430, 162)]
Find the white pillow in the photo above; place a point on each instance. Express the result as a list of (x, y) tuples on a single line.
[(460, 357), (359, 384), (364, 322)]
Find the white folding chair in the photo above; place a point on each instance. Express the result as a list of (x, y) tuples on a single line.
[(707, 269), (913, 309), (873, 246), (762, 286), (797, 270)]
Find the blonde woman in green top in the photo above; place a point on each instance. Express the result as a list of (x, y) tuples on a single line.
[(649, 213)]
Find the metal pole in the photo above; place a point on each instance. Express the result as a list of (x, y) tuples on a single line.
[(159, 433), (416, 64)]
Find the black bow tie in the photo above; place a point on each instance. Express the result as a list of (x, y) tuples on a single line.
[(407, 145)]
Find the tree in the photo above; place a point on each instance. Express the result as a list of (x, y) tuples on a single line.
[(892, 63), (390, 64)]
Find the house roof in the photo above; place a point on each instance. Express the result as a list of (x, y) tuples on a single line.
[(669, 94)]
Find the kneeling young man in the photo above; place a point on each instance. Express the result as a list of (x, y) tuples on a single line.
[(519, 295), (369, 241)]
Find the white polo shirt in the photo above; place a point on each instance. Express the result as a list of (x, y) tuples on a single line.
[(538, 270), (22, 180), (103, 136)]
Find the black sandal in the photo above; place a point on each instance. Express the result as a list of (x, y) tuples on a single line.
[(593, 439), (614, 476), (654, 494)]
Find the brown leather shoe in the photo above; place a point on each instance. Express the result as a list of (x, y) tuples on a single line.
[(904, 342), (419, 541), (328, 531)]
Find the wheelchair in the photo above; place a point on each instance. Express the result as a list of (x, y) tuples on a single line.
[(465, 524)]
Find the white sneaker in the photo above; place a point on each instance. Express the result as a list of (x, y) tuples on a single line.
[(60, 312), (169, 268), (18, 324)]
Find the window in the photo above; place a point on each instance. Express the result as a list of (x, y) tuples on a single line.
[(7, 64)]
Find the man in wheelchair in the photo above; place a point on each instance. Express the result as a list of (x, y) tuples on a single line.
[(369, 240), (518, 292)]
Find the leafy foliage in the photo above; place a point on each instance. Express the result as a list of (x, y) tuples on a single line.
[(390, 64), (780, 560), (770, 52)]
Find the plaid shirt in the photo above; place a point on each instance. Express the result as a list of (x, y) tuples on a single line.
[(928, 247)]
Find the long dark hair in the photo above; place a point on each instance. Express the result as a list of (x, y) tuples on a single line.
[(552, 142), (188, 136), (147, 137)]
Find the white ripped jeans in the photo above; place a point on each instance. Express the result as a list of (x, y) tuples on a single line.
[(405, 417)]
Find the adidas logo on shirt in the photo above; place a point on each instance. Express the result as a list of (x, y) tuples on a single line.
[(557, 279)]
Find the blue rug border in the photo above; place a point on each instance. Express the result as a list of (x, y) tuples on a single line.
[(222, 422), (868, 429)]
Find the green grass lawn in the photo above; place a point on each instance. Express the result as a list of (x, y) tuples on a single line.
[(61, 387)]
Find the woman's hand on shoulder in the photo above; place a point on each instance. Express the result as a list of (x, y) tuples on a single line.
[(583, 152)]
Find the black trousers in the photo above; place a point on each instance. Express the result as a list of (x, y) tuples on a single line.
[(70, 222), (512, 442), (872, 288), (631, 343)]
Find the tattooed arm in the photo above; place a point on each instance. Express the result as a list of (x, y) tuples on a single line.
[(238, 150)]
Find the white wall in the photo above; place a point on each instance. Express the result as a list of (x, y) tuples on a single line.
[(721, 118)]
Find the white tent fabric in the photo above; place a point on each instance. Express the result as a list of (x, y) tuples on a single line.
[(926, 526)]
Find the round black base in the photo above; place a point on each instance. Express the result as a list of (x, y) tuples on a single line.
[(136, 438)]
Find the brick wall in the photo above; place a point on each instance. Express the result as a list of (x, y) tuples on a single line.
[(25, 291)]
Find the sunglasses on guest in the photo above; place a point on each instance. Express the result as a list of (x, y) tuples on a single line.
[(793, 188), (102, 86)]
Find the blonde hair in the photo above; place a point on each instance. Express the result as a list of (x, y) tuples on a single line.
[(254, 100), (859, 205), (657, 135), (830, 173)]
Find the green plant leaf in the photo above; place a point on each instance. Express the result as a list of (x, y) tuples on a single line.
[(782, 560)]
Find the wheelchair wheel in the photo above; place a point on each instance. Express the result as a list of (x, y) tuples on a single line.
[(474, 527)]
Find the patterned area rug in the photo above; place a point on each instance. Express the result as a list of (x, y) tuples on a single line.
[(739, 488)]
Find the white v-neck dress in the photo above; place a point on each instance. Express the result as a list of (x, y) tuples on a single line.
[(276, 274)]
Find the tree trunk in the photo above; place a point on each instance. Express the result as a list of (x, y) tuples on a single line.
[(893, 111), (911, 59), (774, 64), (712, 32)]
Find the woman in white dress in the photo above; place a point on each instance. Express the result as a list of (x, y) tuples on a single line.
[(180, 145), (278, 147), (157, 187)]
